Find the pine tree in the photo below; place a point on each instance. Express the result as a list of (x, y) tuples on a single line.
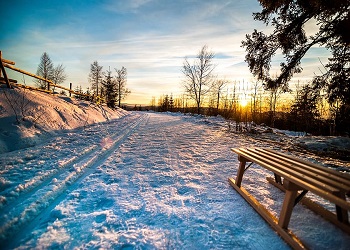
[(95, 78), (109, 85), (289, 19), (77, 89), (171, 103), (304, 110), (290, 37), (88, 93), (165, 104), (45, 70)]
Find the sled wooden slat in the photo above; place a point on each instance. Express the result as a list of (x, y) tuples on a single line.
[(318, 174), (315, 167), (295, 177)]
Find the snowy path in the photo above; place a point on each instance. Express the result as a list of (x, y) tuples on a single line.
[(50, 171), (145, 181)]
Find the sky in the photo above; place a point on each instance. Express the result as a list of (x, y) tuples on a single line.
[(151, 38)]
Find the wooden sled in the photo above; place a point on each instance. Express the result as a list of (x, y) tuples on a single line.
[(295, 177)]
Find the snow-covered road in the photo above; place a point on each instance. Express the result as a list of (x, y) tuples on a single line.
[(145, 181)]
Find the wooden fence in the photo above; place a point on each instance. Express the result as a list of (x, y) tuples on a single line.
[(4, 63)]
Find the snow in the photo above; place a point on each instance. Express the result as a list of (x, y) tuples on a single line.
[(141, 181), (41, 116)]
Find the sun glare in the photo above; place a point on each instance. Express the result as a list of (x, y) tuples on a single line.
[(243, 102)]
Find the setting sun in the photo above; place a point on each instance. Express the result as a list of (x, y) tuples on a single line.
[(243, 102)]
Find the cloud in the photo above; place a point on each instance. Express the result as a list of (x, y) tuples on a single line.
[(128, 6), (150, 38)]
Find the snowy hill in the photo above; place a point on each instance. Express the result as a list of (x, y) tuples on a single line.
[(136, 180), (29, 117), (144, 181)]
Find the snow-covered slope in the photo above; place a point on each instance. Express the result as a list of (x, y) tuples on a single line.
[(29, 117), (144, 181)]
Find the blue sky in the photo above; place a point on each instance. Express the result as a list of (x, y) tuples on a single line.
[(150, 38)]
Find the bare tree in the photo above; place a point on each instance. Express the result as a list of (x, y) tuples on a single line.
[(153, 103), (256, 87), (45, 70), (274, 95), (95, 77), (218, 87), (198, 77), (59, 74), (121, 80)]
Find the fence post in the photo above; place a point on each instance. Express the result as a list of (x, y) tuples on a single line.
[(4, 72), (70, 89)]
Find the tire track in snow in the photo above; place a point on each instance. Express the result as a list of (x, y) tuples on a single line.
[(21, 222)]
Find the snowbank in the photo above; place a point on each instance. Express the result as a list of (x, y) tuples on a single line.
[(335, 147), (146, 181), (29, 117)]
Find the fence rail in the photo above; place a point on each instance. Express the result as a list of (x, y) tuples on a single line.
[(4, 63)]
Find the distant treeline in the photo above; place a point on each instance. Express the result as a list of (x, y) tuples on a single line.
[(301, 113)]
